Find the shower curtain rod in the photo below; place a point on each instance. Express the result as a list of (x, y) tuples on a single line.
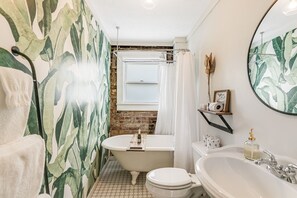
[(152, 50), (16, 51), (135, 49), (166, 51), (148, 61)]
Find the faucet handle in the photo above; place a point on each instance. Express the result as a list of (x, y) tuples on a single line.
[(271, 157), (292, 166), (290, 171)]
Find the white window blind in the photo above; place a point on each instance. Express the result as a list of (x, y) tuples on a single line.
[(138, 81)]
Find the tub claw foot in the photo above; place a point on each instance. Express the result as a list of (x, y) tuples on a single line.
[(134, 176)]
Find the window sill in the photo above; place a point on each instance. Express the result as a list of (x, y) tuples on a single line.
[(139, 82), (137, 107)]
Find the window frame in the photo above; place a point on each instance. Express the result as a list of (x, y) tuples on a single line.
[(134, 56)]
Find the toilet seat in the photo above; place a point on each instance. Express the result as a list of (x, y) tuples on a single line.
[(171, 182), (169, 177), (175, 182), (181, 187)]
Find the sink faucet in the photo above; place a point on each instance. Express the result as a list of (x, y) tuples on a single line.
[(287, 173), (271, 161)]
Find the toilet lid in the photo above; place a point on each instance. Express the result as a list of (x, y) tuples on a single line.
[(169, 177)]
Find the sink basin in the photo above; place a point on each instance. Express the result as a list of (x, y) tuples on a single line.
[(229, 175)]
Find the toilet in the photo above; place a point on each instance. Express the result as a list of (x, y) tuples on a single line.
[(176, 182)]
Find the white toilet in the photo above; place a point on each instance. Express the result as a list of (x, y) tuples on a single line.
[(175, 182)]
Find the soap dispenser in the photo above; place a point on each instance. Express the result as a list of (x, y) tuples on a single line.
[(251, 149)]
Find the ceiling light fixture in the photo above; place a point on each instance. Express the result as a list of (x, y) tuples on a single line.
[(149, 4), (291, 8)]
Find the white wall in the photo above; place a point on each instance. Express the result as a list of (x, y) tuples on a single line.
[(227, 32)]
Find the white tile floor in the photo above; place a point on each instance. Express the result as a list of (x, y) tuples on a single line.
[(115, 182)]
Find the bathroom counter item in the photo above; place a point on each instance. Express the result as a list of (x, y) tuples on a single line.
[(251, 148), (135, 144), (21, 167), (157, 153)]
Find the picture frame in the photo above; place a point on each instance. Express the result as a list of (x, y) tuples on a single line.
[(223, 96)]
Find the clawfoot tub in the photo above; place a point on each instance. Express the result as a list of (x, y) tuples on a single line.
[(157, 153)]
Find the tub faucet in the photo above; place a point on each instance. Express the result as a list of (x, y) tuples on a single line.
[(287, 173)]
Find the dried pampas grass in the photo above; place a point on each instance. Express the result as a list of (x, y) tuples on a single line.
[(209, 63)]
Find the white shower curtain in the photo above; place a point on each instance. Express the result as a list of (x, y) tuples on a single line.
[(177, 112), (185, 118), (164, 125)]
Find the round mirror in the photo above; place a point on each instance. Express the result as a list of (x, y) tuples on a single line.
[(272, 58)]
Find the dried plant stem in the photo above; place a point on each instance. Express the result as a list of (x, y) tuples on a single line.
[(208, 86), (209, 68)]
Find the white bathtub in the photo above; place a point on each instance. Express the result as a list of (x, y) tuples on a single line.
[(158, 152)]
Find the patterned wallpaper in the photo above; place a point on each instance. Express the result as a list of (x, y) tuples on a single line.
[(72, 58)]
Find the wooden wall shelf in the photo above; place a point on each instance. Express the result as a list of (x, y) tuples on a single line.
[(226, 128)]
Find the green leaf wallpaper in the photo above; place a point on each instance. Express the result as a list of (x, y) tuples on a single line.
[(274, 77), (72, 57)]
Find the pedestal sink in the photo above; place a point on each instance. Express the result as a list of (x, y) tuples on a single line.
[(230, 175)]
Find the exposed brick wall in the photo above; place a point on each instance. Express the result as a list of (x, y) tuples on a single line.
[(128, 122)]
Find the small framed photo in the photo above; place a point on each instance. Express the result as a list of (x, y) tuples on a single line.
[(223, 96)]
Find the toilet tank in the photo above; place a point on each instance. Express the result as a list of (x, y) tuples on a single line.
[(198, 150)]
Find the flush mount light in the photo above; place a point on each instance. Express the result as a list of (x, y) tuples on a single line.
[(291, 8), (148, 4)]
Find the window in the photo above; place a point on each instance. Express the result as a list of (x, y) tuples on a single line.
[(138, 80)]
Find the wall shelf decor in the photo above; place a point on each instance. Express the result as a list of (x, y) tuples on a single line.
[(226, 128)]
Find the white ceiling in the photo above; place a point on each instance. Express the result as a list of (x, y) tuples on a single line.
[(137, 25)]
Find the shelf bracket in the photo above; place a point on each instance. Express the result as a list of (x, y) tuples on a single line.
[(226, 128)]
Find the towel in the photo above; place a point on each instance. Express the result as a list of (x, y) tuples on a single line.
[(13, 120), (21, 167), (17, 87), (134, 145)]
